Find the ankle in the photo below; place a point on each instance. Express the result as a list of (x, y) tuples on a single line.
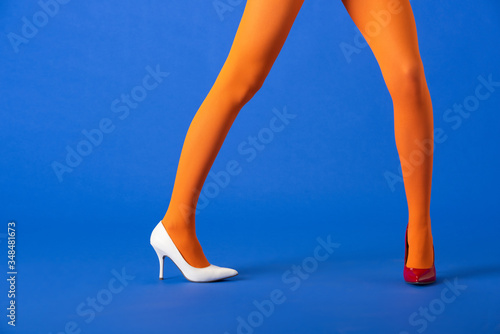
[(421, 225), (173, 224), (419, 219)]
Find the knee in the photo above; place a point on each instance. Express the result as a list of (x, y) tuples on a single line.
[(408, 81), (249, 85), (243, 83)]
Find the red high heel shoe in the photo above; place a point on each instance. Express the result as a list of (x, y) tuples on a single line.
[(418, 276)]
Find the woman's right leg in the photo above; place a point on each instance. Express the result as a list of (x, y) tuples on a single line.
[(263, 29)]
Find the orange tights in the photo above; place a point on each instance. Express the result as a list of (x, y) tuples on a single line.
[(263, 29)]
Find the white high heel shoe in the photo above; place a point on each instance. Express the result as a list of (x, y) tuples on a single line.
[(164, 246)]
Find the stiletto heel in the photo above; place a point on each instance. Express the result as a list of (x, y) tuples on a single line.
[(161, 257), (164, 246), (415, 275)]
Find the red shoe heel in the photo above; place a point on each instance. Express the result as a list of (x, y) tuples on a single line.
[(418, 276)]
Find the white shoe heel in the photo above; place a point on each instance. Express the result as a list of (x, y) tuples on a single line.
[(164, 246), (161, 257)]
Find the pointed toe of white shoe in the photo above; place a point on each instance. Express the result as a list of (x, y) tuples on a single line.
[(164, 246), (211, 273)]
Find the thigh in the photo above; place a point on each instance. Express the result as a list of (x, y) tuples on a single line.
[(389, 28), (262, 31)]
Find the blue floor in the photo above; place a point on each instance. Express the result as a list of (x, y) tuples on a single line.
[(107, 281), (314, 219)]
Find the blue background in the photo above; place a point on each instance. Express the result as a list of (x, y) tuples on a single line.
[(323, 175)]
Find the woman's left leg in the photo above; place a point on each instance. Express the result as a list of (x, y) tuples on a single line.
[(389, 28)]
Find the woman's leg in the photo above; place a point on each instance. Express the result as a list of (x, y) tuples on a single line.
[(389, 28), (263, 29)]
